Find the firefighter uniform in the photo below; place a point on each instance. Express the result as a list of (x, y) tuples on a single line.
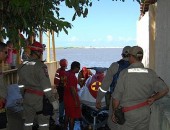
[(108, 80), (113, 69), (3, 92), (135, 85), (3, 88), (33, 76)]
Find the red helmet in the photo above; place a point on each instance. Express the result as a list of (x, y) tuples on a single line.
[(37, 46), (63, 63)]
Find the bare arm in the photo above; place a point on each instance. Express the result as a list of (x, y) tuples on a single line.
[(74, 94), (115, 104), (157, 96)]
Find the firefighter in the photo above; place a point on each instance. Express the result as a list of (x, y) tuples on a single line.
[(111, 76), (34, 78), (3, 88), (136, 89), (60, 81)]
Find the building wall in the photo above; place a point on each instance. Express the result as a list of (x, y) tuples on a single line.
[(162, 40), (146, 37), (143, 37), (52, 67), (152, 29)]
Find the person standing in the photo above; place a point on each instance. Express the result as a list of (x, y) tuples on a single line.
[(71, 98), (111, 76), (136, 89), (33, 76), (60, 83), (3, 88)]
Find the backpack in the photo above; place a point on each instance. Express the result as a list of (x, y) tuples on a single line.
[(14, 98), (122, 65)]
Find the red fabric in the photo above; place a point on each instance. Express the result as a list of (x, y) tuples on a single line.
[(60, 77), (2, 103), (95, 84), (71, 109), (33, 91), (126, 109), (14, 51), (9, 57), (86, 73)]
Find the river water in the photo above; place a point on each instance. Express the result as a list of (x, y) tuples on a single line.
[(89, 57)]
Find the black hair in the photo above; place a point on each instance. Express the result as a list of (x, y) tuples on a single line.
[(2, 46), (125, 55), (8, 42), (35, 53), (74, 65)]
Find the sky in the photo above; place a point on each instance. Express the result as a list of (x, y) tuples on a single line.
[(108, 24)]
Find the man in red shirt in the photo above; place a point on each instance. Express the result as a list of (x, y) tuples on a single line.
[(71, 98)]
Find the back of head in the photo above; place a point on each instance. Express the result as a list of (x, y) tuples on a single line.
[(2, 46), (63, 63), (125, 51), (3, 51), (75, 64), (137, 52), (37, 46), (36, 50), (8, 43)]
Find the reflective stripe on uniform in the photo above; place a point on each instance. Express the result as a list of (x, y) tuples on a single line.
[(28, 124), (104, 91), (21, 86), (29, 63), (137, 70), (25, 62), (48, 89), (43, 125), (57, 77)]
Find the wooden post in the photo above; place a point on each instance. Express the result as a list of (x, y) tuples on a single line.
[(1, 38), (40, 40), (19, 50), (40, 37), (53, 44), (48, 47)]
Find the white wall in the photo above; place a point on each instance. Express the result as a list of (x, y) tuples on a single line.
[(146, 36), (162, 40), (143, 37)]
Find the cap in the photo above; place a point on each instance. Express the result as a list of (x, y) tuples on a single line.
[(126, 50), (37, 46), (136, 51)]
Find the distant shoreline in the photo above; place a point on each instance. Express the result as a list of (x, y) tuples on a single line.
[(84, 47)]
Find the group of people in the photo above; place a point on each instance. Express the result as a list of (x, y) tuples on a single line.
[(136, 88), (36, 89), (133, 89), (66, 85)]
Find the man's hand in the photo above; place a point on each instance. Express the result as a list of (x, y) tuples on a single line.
[(114, 118), (150, 100), (98, 104)]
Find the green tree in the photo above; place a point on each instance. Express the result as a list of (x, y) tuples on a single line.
[(30, 16)]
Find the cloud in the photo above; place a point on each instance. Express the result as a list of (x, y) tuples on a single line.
[(109, 38), (73, 39)]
